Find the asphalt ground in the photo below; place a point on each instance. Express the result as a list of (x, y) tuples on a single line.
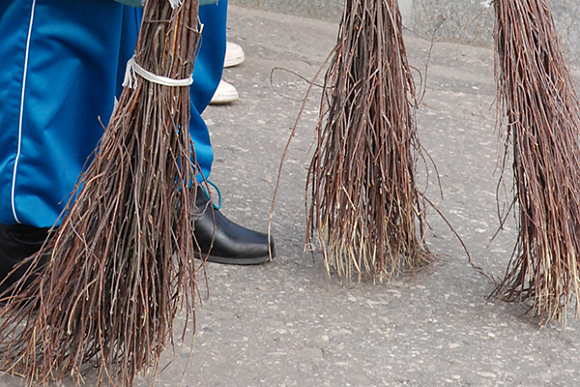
[(288, 323)]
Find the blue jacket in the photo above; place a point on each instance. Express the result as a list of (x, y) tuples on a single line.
[(62, 63)]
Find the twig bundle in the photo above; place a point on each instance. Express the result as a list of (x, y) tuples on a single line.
[(121, 263), (538, 98), (365, 209)]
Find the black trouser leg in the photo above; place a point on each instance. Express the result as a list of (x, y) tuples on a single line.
[(17, 242)]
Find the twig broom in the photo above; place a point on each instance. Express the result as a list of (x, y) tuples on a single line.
[(121, 264), (365, 209), (538, 98)]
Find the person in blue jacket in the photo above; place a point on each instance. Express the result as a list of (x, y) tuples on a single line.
[(62, 63)]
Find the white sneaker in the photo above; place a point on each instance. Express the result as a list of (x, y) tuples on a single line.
[(234, 55), (225, 93)]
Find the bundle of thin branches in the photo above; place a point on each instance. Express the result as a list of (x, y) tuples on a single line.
[(539, 101), (121, 264), (365, 209)]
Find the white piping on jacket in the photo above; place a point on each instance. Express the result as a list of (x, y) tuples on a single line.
[(25, 73)]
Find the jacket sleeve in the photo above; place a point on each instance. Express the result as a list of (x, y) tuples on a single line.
[(132, 3), (141, 3)]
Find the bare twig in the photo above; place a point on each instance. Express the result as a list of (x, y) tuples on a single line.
[(121, 263), (365, 209), (541, 108)]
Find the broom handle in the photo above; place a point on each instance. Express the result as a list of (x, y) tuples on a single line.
[(169, 43)]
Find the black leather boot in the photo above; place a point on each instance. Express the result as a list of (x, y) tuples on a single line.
[(17, 242), (225, 241)]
